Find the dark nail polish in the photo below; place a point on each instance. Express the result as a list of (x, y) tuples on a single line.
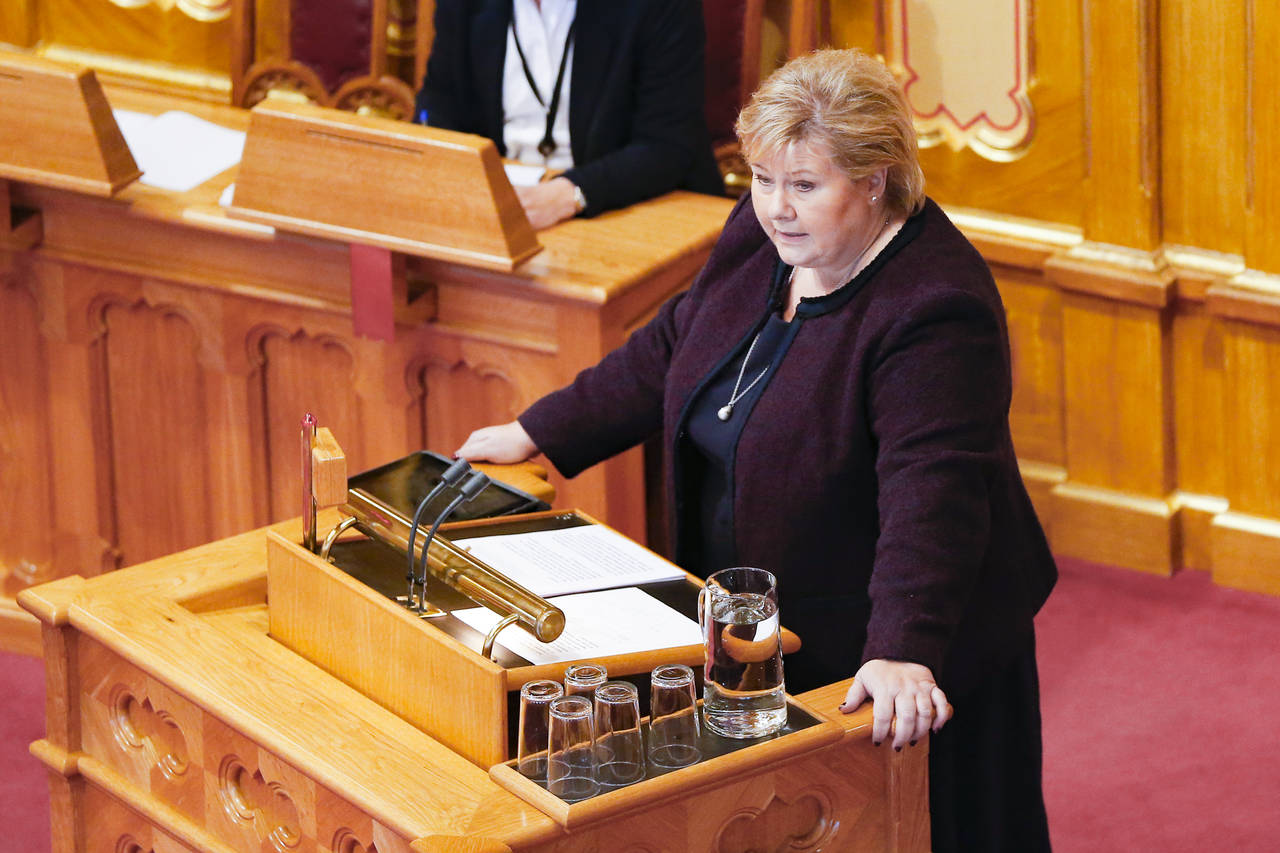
[(876, 742), (913, 743), (897, 749)]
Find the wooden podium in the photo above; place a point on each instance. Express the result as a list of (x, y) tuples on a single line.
[(176, 722)]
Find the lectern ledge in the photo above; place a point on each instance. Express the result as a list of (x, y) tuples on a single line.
[(379, 182), (57, 130)]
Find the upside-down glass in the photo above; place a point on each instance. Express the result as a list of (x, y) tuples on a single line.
[(619, 745), (535, 719), (582, 679), (742, 694), (673, 717), (571, 760)]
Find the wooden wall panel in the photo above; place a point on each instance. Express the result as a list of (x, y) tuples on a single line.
[(1034, 311), (18, 22), (456, 397), (1262, 250), (302, 373), (155, 386), (1203, 119), (1115, 392), (1200, 417), (1252, 420), (26, 547), (1122, 195)]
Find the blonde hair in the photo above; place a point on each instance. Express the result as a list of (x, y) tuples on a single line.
[(849, 102)]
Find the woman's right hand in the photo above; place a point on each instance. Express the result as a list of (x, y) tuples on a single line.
[(504, 444)]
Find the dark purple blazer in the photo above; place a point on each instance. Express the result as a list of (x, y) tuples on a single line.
[(876, 476)]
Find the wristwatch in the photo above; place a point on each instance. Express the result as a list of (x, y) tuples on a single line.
[(579, 200)]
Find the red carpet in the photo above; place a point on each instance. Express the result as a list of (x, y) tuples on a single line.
[(24, 787), (1160, 727), (1160, 724)]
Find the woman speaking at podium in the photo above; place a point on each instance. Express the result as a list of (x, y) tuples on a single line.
[(833, 393), (610, 92)]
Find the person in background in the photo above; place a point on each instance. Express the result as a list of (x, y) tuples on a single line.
[(609, 93), (833, 394)]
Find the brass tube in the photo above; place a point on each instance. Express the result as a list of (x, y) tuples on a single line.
[(478, 581)]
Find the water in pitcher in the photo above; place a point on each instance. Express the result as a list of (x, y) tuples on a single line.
[(743, 695)]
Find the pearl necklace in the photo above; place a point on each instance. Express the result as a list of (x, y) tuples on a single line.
[(726, 411)]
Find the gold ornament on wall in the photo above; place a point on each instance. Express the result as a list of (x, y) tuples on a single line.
[(200, 10), (965, 67)]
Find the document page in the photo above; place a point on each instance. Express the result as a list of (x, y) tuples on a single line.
[(597, 624), (178, 151), (576, 559)]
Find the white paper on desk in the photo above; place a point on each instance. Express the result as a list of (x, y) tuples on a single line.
[(177, 151), (575, 559), (521, 175), (597, 624)]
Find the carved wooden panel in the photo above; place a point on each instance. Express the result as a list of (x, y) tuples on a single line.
[(455, 398), (141, 729), (298, 373), (155, 387), (343, 828), (118, 829), (253, 800), (25, 490), (808, 805)]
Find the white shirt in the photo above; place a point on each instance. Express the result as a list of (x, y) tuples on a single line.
[(542, 36)]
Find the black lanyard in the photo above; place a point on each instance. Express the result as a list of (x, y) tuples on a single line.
[(548, 145)]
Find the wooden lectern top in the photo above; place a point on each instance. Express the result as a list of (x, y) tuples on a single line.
[(57, 130), (379, 182)]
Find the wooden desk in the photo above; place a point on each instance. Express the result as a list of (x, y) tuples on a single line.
[(158, 356), (175, 723)]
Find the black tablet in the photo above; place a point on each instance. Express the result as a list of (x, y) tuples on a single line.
[(401, 485)]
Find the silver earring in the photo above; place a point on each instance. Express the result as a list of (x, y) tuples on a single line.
[(873, 198)]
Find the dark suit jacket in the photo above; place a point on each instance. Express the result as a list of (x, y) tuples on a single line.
[(636, 122), (875, 476)]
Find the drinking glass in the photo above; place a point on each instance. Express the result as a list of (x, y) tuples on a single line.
[(582, 679), (673, 717), (535, 718), (743, 694), (571, 762), (619, 745)]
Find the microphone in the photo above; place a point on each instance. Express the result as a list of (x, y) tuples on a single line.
[(469, 491), (451, 477)]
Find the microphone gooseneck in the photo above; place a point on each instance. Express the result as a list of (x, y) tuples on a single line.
[(451, 477)]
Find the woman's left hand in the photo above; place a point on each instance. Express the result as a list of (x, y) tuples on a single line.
[(902, 691), (548, 202)]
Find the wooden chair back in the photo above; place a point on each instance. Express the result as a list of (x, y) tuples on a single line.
[(356, 55)]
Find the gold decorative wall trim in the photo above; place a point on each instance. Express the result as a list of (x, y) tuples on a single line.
[(1191, 259), (966, 70), (1049, 235), (172, 75), (199, 10)]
